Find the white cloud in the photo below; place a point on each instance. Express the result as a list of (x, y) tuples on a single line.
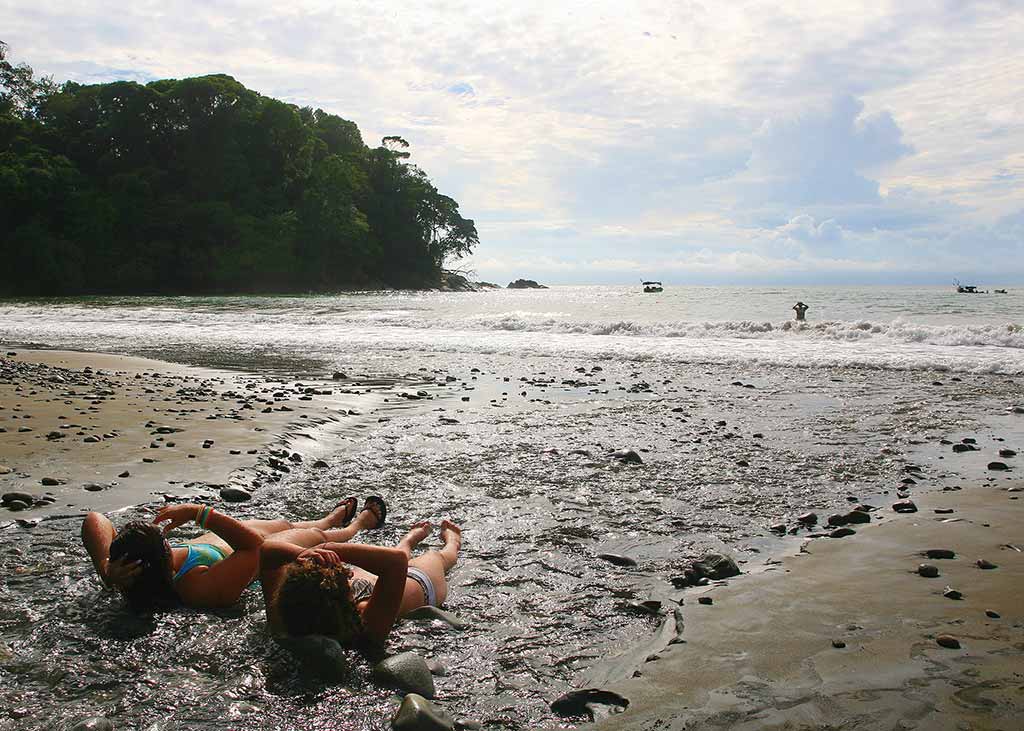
[(841, 135)]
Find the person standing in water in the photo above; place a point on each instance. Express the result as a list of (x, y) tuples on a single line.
[(801, 310)]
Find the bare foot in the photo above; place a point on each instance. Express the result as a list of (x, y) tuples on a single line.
[(451, 534), (343, 513), (416, 534)]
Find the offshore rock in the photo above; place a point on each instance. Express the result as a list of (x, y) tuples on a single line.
[(406, 671), (418, 714), (525, 284)]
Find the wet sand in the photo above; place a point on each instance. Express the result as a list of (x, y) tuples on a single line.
[(98, 431), (762, 655)]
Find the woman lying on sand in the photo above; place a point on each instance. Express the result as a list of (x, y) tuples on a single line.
[(211, 570), (315, 584)]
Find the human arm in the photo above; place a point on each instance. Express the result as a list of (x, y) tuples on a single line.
[(389, 565), (97, 535), (235, 533)]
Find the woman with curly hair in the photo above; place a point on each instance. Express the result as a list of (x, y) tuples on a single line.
[(209, 571), (352, 592)]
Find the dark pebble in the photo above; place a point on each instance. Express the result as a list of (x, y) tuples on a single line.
[(948, 641), (939, 553), (838, 644), (951, 593), (126, 473), (807, 518), (998, 466), (928, 571), (617, 559), (842, 533), (1007, 453), (49, 481), (991, 614), (234, 494), (705, 600), (983, 564)]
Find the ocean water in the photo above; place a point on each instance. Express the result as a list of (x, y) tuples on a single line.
[(900, 328), (743, 418)]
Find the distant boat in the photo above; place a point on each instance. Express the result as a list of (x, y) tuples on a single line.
[(999, 291), (652, 287), (966, 288)]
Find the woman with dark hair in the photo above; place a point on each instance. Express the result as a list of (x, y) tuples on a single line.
[(209, 571), (350, 591)]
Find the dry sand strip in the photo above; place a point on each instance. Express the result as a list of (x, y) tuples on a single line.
[(845, 635), (98, 431)]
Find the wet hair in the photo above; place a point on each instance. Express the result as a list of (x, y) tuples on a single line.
[(152, 588), (317, 600)]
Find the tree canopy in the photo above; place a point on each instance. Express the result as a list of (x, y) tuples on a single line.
[(201, 185)]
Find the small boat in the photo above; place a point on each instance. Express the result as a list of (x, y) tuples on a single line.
[(652, 287), (999, 291), (966, 288)]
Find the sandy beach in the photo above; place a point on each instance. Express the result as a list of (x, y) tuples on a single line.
[(99, 431), (523, 453), (844, 634)]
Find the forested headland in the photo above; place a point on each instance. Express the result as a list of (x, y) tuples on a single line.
[(204, 186)]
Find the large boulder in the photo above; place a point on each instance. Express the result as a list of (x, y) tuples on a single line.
[(406, 671), (716, 566), (418, 714)]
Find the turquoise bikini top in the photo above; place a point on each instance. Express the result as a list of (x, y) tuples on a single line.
[(199, 554)]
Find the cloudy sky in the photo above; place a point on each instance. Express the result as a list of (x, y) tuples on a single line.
[(693, 142)]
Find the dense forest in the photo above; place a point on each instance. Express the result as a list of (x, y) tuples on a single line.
[(203, 186)]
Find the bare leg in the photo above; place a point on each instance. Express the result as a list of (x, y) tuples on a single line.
[(436, 564), (332, 522)]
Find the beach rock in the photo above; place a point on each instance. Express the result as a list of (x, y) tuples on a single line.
[(928, 570), (716, 566), (234, 494), (935, 553), (838, 644), (958, 448), (905, 506), (948, 641), (92, 439), (1007, 453), (842, 533), (950, 593), (617, 559), (857, 516), (778, 528), (705, 600), (406, 671), (49, 482), (418, 714), (5, 470), (9, 497), (18, 505), (126, 473), (998, 466), (969, 440), (991, 614), (983, 564), (433, 613), (320, 465), (96, 723), (339, 376), (94, 487), (586, 702), (807, 518), (628, 456), (322, 655)]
